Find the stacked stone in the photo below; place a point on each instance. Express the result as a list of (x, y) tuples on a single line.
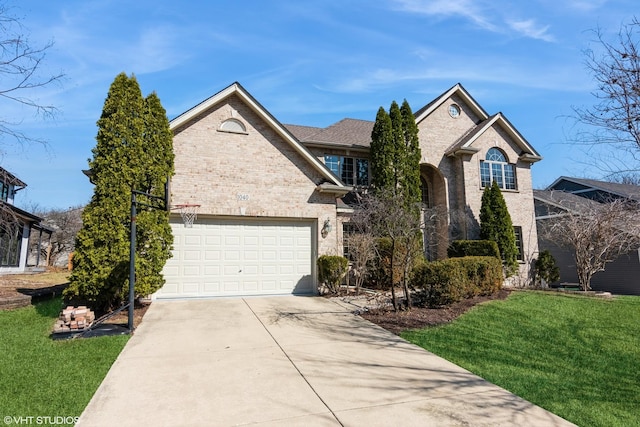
[(74, 319)]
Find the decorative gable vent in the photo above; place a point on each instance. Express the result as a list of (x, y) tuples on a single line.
[(233, 126)]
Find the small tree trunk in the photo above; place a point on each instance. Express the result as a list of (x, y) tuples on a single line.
[(407, 295), (394, 301)]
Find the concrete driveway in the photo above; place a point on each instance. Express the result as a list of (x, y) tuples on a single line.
[(289, 361)]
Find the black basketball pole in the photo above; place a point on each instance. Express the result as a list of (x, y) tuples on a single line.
[(162, 203), (132, 261)]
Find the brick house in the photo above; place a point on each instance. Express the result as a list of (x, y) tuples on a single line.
[(272, 196)]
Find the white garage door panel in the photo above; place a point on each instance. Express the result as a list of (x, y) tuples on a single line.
[(239, 257)]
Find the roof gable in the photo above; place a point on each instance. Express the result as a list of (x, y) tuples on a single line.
[(462, 93), (465, 144), (9, 178), (237, 89)]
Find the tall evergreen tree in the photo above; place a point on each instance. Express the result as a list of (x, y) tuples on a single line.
[(382, 151), (154, 237), (487, 217), (395, 168), (133, 151), (395, 153), (398, 148), (411, 173), (496, 225)]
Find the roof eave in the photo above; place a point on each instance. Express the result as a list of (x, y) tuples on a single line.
[(529, 158), (340, 190), (320, 144), (463, 151)]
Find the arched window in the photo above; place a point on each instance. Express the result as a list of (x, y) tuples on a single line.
[(424, 188), (233, 125), (496, 168)]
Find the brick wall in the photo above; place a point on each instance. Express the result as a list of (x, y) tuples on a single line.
[(256, 173)]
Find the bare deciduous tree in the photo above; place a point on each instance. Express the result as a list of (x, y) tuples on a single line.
[(65, 224), (615, 118), (21, 75), (385, 215), (597, 233), (361, 244)]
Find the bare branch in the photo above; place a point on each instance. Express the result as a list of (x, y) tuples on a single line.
[(597, 233), (21, 72)]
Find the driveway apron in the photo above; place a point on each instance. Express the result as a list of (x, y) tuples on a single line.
[(289, 361)]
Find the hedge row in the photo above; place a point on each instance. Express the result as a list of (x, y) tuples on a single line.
[(439, 283), (462, 248)]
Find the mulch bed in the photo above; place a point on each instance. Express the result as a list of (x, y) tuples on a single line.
[(122, 318), (419, 317)]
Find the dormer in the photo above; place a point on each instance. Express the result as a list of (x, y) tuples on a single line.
[(9, 186)]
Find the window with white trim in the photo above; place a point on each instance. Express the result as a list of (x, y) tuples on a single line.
[(351, 170), (496, 168)]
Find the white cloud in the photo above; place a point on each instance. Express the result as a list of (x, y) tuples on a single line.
[(529, 28), (465, 8), (519, 73), (486, 15), (586, 5)]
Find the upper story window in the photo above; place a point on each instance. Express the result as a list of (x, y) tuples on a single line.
[(351, 170), (4, 191), (233, 125), (496, 168)]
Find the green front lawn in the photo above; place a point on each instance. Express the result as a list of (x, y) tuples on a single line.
[(576, 356), (40, 377)]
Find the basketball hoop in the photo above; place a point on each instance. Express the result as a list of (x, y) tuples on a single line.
[(189, 213)]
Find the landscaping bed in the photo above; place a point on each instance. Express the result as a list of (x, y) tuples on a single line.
[(420, 317)]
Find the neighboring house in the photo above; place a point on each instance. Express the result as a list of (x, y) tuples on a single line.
[(16, 226), (621, 276), (274, 197)]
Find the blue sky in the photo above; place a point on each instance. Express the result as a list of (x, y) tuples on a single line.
[(309, 63)]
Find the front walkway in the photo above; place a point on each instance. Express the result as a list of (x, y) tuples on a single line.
[(289, 361)]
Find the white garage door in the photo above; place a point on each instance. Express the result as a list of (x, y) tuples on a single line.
[(230, 257)]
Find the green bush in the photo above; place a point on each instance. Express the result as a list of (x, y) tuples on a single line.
[(546, 269), (331, 270), (444, 282), (463, 248), (379, 276)]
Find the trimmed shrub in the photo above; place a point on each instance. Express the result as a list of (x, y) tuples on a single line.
[(331, 270), (444, 282), (463, 248), (546, 270), (379, 266)]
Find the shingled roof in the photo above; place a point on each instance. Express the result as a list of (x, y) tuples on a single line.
[(627, 191), (302, 132), (565, 200), (346, 132)]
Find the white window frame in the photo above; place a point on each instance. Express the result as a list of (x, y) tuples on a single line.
[(498, 169)]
